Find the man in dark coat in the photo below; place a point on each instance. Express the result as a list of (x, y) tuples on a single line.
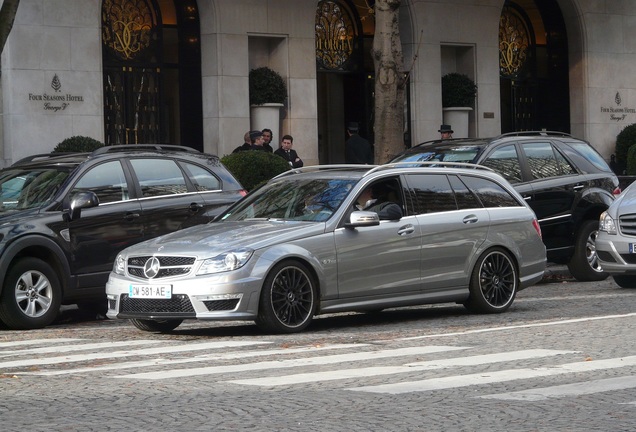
[(357, 149), (286, 152), (247, 143)]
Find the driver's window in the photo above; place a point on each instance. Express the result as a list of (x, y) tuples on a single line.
[(107, 181), (505, 161)]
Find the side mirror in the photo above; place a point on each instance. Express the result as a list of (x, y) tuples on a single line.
[(81, 201), (362, 219)]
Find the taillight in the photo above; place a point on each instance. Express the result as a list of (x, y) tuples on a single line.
[(536, 226), (617, 191), (243, 192)]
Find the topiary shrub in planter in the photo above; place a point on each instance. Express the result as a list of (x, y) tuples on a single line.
[(624, 140), (253, 167), (458, 90), (78, 144), (266, 86)]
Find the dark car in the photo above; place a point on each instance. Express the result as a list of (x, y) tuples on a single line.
[(65, 217), (564, 180)]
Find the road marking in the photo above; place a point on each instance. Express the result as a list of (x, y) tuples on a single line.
[(407, 368), (458, 381), (521, 326), (37, 342), (576, 389), (280, 364), (131, 353), (201, 358), (80, 347)]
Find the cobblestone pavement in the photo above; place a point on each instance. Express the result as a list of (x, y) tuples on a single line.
[(560, 360)]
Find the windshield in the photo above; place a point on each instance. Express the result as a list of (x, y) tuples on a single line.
[(29, 188), (293, 199), (464, 154)]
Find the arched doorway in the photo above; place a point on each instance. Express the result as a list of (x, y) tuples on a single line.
[(345, 73), (151, 52), (533, 66)]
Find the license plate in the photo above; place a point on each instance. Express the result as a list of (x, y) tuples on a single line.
[(150, 291), (631, 248)]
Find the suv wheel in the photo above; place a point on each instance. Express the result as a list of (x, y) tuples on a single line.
[(584, 264), (31, 295)]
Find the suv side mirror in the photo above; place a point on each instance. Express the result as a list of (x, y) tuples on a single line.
[(80, 201), (362, 219)]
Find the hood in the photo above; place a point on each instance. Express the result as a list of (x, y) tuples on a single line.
[(626, 202), (218, 237)]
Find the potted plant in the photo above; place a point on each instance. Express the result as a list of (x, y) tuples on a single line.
[(267, 96), (458, 97)]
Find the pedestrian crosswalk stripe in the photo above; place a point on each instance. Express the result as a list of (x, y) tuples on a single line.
[(407, 368), (77, 347), (575, 389), (458, 381), (199, 358), (280, 364), (118, 354), (11, 344)]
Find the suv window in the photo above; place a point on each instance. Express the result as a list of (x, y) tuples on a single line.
[(107, 181), (505, 161), (203, 179), (591, 155), (545, 161), (159, 177), (433, 193), (490, 193)]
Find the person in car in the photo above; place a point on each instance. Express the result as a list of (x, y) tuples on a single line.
[(376, 198)]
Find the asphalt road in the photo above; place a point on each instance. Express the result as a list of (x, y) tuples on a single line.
[(561, 359)]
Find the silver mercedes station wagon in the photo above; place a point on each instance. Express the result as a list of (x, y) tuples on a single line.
[(338, 238)]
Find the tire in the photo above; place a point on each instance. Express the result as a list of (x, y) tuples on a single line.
[(625, 281), (584, 265), (288, 299), (493, 283), (96, 307), (156, 326), (31, 295)]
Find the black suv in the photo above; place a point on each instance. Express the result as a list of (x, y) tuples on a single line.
[(564, 179), (65, 217)]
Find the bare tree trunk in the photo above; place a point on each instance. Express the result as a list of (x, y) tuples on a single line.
[(389, 81), (7, 16)]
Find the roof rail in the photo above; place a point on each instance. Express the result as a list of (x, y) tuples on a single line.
[(31, 158), (535, 133), (143, 147), (433, 164), (313, 168)]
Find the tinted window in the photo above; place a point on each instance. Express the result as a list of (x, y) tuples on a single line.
[(432, 192), (29, 188), (203, 179), (465, 198), (159, 177), (505, 161), (490, 193), (544, 162), (591, 156), (107, 181)]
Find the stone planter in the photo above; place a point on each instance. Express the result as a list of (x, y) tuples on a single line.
[(457, 117), (266, 116)]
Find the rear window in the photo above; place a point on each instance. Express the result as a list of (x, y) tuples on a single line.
[(591, 155), (447, 153)]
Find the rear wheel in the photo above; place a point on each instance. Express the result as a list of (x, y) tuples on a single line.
[(493, 284), (625, 281), (156, 326), (584, 265), (288, 299), (31, 295)]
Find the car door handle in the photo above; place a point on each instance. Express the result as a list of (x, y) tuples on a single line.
[(470, 219), (130, 216), (195, 207), (578, 187), (406, 229)]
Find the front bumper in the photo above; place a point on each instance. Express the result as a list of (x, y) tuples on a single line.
[(614, 254)]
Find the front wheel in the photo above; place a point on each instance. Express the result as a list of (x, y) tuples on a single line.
[(288, 299), (156, 326), (625, 281), (584, 265), (31, 295), (493, 283)]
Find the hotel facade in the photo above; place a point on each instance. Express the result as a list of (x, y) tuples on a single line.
[(177, 71)]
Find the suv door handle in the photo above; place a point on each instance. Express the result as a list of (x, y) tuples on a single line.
[(130, 216), (578, 187), (195, 207)]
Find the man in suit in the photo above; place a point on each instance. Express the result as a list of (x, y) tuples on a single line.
[(357, 149), (286, 152)]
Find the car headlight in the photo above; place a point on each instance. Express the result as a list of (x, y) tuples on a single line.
[(119, 266), (606, 224), (225, 262)]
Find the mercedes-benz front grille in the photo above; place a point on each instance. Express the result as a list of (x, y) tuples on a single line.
[(168, 266), (179, 303), (627, 224)]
